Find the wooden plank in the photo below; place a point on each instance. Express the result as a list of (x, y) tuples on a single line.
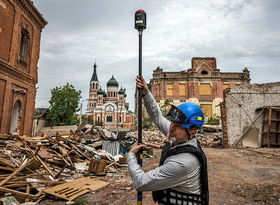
[(27, 191), (80, 152), (269, 125), (7, 163), (37, 181), (248, 128), (277, 127), (41, 161), (24, 164), (260, 139), (7, 168), (3, 189), (75, 188)]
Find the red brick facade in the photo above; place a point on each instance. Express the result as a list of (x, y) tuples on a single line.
[(20, 32), (203, 84)]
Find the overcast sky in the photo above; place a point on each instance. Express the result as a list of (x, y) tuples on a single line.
[(239, 33)]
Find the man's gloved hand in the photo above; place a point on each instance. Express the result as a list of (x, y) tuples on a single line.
[(135, 148), (140, 83)]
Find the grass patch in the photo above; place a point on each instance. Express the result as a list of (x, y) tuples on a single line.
[(80, 202)]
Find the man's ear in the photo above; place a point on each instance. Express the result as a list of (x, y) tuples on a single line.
[(193, 132)]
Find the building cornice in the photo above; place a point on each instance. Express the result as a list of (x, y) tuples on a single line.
[(32, 12), (198, 78), (16, 74)]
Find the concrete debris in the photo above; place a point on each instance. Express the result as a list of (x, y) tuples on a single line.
[(211, 136)]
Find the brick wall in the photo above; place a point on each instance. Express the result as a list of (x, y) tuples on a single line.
[(203, 71), (18, 77)]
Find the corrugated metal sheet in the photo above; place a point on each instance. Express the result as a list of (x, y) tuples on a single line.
[(112, 147)]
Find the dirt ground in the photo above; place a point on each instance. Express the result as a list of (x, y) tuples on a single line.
[(236, 176)]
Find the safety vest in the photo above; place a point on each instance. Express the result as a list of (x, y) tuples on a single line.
[(169, 196)]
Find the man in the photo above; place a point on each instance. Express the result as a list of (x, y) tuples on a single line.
[(182, 176)]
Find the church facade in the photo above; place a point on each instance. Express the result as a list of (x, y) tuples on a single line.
[(108, 108)]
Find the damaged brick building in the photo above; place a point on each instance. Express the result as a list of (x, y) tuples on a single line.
[(20, 28), (203, 84)]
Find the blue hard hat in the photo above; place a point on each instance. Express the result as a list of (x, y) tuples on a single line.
[(188, 114), (194, 114)]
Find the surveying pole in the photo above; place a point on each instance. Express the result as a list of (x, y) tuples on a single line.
[(140, 24)]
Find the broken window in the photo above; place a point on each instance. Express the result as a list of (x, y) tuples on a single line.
[(24, 46), (16, 118)]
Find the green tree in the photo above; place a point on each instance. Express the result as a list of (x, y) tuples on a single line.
[(165, 107), (64, 103)]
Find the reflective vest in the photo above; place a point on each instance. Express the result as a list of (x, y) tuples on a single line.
[(169, 196)]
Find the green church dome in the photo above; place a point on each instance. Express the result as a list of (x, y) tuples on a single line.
[(113, 82), (100, 91)]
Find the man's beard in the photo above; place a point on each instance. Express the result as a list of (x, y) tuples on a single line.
[(173, 140)]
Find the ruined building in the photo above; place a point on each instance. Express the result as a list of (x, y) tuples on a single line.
[(21, 25), (251, 115), (110, 108), (203, 84)]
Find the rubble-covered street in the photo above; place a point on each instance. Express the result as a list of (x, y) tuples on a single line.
[(87, 166)]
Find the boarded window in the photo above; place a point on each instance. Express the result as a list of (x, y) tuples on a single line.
[(182, 89), (169, 89), (207, 109), (205, 89)]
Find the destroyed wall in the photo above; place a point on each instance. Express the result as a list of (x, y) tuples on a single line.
[(239, 111), (63, 130)]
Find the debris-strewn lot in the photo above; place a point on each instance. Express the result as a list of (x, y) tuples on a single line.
[(236, 176), (87, 166)]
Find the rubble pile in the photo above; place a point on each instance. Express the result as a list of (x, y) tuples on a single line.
[(154, 136), (211, 136), (32, 167), (62, 165)]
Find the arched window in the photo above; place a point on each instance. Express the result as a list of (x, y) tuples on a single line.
[(109, 118), (16, 117)]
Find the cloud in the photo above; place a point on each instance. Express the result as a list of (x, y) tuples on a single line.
[(238, 33)]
